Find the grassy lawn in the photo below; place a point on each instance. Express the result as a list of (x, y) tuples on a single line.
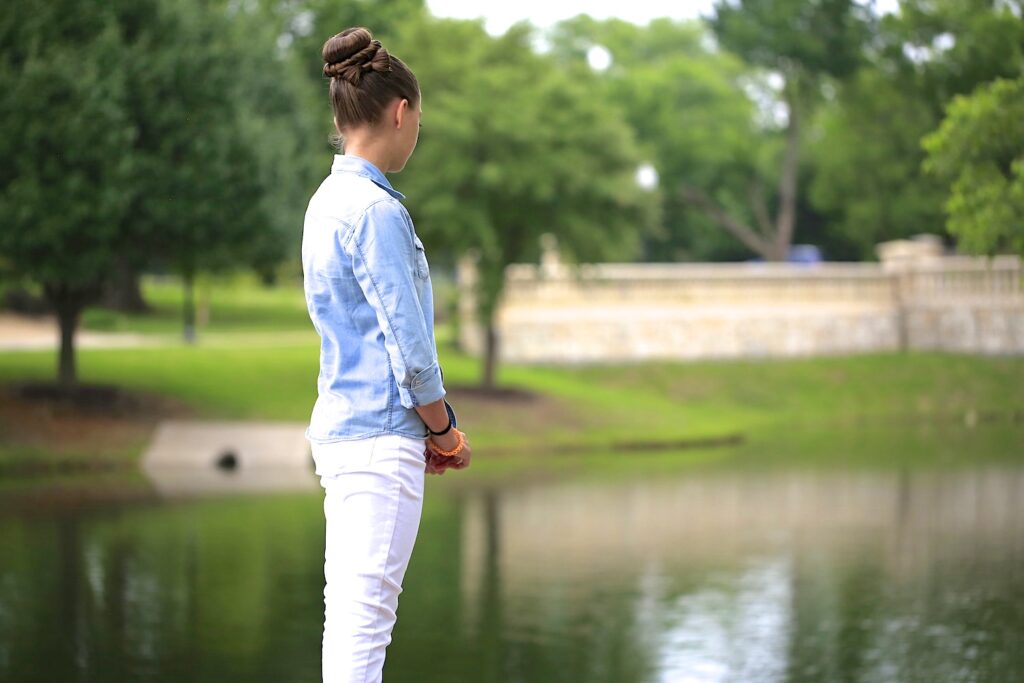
[(594, 406), (662, 400), (258, 358), (235, 304)]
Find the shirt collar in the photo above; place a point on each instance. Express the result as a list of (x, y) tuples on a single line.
[(352, 164)]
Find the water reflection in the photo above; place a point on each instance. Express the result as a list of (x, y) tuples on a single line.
[(602, 528), (763, 577), (194, 482), (724, 576)]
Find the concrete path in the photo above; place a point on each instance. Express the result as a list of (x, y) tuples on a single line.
[(177, 483), (31, 333), (192, 457), (228, 445)]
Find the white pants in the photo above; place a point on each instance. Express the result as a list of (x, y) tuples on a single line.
[(373, 499)]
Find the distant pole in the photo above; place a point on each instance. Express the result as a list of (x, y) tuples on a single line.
[(189, 308)]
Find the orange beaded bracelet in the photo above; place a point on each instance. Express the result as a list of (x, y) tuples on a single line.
[(448, 454)]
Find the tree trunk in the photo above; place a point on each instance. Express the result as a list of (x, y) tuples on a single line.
[(759, 244), (67, 318), (771, 241), (203, 308), (67, 304), (490, 354), (124, 293), (188, 308), (786, 220)]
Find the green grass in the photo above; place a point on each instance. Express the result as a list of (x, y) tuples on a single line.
[(813, 391), (258, 359), (219, 380), (233, 380), (235, 304), (657, 401)]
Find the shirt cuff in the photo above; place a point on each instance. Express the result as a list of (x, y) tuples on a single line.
[(426, 387)]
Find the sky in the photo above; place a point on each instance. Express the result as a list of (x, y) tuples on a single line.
[(498, 16)]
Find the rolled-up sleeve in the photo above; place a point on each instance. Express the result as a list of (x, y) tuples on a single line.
[(384, 261)]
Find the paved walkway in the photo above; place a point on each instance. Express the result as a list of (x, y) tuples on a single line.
[(30, 333), (34, 333), (196, 457)]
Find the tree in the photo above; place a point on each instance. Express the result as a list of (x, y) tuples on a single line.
[(125, 144), (807, 45), (309, 23), (693, 124), (278, 121), (979, 151), (513, 147), (284, 111), (235, 60), (199, 191), (867, 162), (66, 144)]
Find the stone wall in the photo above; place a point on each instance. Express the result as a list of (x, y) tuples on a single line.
[(916, 298)]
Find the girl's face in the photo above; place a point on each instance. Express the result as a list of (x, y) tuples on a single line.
[(408, 132)]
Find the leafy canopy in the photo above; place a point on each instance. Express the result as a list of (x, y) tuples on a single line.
[(66, 142), (979, 149), (513, 147)]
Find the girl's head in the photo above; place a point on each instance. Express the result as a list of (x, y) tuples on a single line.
[(375, 97)]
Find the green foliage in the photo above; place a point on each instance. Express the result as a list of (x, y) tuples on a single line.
[(692, 121), (197, 191), (866, 163), (514, 147), (798, 38), (979, 149), (309, 23), (729, 176), (867, 160), (130, 130), (943, 48), (286, 71), (279, 128), (125, 137), (66, 142), (188, 136)]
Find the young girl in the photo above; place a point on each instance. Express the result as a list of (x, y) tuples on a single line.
[(380, 420)]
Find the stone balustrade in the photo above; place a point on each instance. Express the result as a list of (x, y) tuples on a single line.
[(620, 312)]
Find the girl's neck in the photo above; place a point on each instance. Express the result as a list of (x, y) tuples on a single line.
[(371, 150)]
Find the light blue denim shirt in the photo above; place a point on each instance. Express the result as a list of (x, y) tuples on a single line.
[(368, 292)]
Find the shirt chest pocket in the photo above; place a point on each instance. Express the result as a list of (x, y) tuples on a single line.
[(421, 268)]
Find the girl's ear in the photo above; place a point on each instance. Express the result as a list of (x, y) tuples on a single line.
[(400, 111)]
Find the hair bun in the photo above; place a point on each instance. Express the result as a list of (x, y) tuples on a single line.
[(352, 54)]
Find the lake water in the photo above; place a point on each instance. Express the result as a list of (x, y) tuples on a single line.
[(716, 574)]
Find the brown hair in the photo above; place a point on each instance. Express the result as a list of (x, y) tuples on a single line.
[(364, 77)]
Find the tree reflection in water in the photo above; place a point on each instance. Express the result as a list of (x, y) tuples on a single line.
[(782, 575)]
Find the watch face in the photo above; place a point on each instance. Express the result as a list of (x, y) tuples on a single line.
[(451, 413)]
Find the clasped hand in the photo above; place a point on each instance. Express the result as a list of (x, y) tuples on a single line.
[(439, 464)]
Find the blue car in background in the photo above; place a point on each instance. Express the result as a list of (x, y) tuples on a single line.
[(805, 253), (798, 253)]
